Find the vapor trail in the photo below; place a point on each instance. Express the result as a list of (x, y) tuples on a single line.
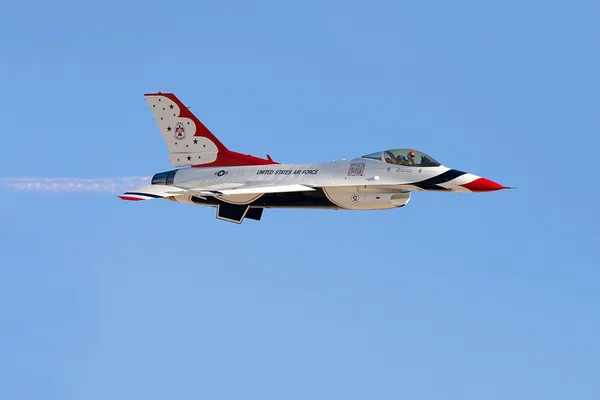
[(95, 185)]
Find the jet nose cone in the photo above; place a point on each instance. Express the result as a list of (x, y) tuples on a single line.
[(483, 185)]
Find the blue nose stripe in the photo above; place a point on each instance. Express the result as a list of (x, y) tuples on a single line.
[(433, 182)]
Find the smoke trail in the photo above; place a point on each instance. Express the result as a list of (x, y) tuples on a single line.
[(89, 185)]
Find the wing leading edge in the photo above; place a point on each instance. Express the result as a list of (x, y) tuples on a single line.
[(148, 192)]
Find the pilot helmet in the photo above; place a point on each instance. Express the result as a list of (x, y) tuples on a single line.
[(411, 154)]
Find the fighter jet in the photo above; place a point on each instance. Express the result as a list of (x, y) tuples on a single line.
[(241, 186)]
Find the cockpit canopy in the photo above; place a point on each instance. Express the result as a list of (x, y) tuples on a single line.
[(408, 157)]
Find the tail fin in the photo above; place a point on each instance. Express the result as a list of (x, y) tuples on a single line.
[(188, 140)]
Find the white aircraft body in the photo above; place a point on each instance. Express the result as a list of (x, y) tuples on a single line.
[(241, 186)]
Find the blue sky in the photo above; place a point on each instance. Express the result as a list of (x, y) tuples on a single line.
[(458, 297)]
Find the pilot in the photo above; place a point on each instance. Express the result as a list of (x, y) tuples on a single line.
[(411, 158)]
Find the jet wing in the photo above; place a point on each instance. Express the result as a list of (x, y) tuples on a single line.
[(147, 192)]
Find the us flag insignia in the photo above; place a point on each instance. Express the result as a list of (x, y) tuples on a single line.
[(356, 169)]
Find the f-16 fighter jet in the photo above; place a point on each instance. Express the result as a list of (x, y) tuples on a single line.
[(241, 186)]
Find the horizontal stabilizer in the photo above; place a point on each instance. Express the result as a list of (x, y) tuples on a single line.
[(147, 192)]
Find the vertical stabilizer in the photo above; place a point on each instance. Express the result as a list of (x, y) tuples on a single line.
[(190, 143)]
